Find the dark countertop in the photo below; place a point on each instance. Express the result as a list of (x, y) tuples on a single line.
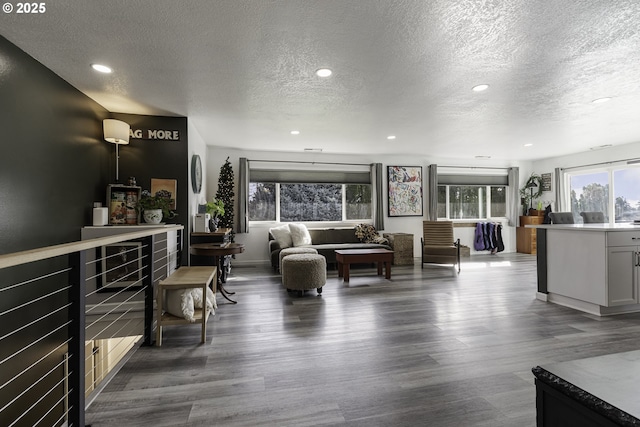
[(610, 385)]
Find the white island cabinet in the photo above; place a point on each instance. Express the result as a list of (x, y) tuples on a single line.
[(590, 267), (622, 267)]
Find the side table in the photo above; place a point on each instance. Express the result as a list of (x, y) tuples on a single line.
[(218, 251), (402, 245)]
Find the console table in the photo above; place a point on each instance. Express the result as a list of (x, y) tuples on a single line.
[(219, 252), (221, 235)]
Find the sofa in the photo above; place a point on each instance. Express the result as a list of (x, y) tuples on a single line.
[(326, 241)]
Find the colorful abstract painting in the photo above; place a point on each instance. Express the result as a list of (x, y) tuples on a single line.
[(405, 190)]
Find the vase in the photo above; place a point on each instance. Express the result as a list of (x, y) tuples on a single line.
[(213, 224), (152, 216)]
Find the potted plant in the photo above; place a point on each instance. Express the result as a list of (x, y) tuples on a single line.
[(155, 207), (215, 208), (532, 190)]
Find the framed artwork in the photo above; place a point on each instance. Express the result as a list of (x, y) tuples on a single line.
[(121, 201), (546, 181), (121, 265), (168, 185), (405, 190)]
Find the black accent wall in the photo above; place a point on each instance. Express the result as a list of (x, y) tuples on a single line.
[(146, 159), (54, 163)]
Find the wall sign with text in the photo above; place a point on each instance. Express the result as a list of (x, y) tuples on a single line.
[(155, 134)]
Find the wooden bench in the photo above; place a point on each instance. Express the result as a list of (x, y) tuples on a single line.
[(183, 278)]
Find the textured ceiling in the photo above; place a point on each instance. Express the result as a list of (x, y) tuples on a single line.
[(243, 70)]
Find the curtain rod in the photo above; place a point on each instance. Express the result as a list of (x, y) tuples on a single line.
[(473, 167), (311, 163), (629, 162)]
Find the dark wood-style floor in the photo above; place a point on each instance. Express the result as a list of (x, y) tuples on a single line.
[(427, 348)]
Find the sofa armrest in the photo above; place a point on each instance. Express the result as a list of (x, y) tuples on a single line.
[(274, 245)]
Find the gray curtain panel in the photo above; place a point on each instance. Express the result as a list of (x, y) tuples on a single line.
[(432, 211), (243, 196), (513, 209), (376, 183), (558, 189)]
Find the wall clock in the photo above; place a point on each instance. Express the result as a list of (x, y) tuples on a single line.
[(196, 174)]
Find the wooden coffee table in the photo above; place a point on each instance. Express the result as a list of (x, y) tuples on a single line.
[(345, 257)]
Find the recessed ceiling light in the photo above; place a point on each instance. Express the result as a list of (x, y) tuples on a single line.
[(480, 88), (323, 72), (528, 145), (101, 68), (295, 132), (601, 100), (391, 137)]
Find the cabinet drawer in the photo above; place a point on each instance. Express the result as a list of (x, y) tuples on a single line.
[(623, 238)]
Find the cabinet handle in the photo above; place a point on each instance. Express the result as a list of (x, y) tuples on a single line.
[(635, 238)]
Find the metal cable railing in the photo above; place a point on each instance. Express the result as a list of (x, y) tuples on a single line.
[(70, 315)]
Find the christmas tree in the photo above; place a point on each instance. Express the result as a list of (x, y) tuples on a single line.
[(225, 193)]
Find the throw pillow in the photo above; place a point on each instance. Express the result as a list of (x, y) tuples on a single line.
[(182, 302), (299, 234), (282, 234), (367, 233)]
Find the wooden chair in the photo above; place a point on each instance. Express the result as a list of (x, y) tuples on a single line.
[(438, 244)]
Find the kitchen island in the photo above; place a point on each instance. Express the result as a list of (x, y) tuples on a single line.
[(596, 391), (590, 267)]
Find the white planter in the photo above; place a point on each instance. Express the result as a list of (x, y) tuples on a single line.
[(152, 216)]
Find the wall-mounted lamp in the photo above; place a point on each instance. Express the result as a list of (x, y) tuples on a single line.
[(116, 132)]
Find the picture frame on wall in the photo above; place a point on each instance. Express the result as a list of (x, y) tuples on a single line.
[(121, 267), (404, 190), (546, 181)]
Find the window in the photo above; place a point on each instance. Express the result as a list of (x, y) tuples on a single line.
[(589, 193), (626, 195), (310, 202), (358, 201), (262, 201), (471, 201), (613, 191), (300, 202), (467, 193)]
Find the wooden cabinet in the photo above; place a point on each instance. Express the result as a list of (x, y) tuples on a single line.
[(526, 237)]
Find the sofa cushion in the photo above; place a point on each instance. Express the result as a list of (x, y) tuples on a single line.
[(299, 234), (282, 235)]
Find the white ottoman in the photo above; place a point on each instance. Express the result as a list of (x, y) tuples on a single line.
[(303, 272), (290, 251)]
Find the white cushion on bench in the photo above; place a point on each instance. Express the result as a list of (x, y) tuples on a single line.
[(183, 302)]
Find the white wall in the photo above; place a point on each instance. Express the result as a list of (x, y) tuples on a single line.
[(199, 147), (256, 246)]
